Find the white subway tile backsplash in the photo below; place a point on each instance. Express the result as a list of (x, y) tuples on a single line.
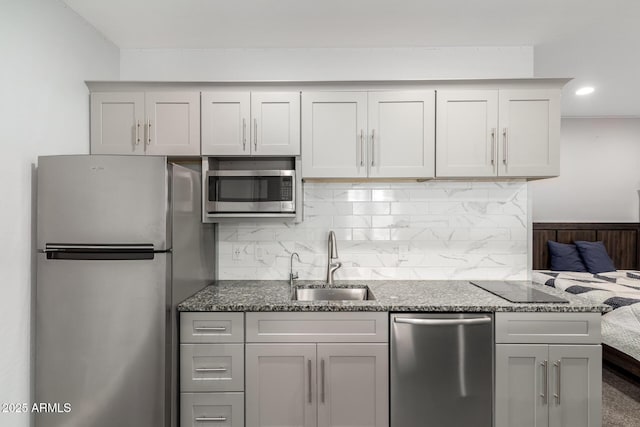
[(351, 221), (372, 208), (409, 208), (328, 208), (370, 234), (389, 195), (446, 230), (352, 195), (391, 221)]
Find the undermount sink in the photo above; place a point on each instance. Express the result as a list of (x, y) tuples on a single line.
[(332, 294)]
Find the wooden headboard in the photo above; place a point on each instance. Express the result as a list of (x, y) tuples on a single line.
[(622, 240)]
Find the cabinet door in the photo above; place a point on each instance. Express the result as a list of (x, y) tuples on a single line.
[(334, 129), (466, 132), (173, 123), (529, 133), (521, 395), (575, 386), (275, 121), (280, 385), (226, 123), (353, 385), (401, 134), (117, 123)]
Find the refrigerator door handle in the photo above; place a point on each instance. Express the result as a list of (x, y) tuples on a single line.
[(56, 247), (99, 252)]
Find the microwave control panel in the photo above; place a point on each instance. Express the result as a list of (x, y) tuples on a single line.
[(286, 188)]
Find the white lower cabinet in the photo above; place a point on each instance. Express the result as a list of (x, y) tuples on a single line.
[(353, 385), (554, 385), (219, 409), (212, 369), (316, 383), (280, 384)]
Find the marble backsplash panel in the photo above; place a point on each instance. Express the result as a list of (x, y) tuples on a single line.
[(427, 230)]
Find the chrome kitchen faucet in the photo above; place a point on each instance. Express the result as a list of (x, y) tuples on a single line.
[(332, 253), (292, 276)]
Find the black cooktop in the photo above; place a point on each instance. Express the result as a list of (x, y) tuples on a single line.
[(517, 291)]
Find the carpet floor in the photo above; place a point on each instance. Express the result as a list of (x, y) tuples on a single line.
[(620, 400)]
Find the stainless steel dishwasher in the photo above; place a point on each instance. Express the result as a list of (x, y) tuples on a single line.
[(441, 370)]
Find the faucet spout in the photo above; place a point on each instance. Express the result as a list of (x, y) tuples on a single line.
[(332, 253)]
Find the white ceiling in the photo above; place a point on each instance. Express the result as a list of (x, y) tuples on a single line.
[(595, 41)]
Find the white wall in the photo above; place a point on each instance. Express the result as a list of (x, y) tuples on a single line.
[(325, 64), (47, 51), (599, 174)]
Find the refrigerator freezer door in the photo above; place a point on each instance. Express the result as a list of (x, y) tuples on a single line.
[(103, 200), (101, 329)]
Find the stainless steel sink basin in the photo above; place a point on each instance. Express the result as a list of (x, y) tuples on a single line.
[(332, 294)]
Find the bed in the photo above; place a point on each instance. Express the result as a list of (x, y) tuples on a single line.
[(619, 289)]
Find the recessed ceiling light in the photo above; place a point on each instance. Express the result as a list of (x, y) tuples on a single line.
[(585, 90)]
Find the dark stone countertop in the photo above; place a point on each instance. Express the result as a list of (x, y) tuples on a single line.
[(390, 295)]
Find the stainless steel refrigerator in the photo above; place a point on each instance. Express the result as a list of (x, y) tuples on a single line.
[(120, 243)]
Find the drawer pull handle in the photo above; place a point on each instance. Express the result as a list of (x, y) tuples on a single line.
[(205, 419), (211, 328), (557, 395), (322, 382), (211, 369), (545, 378), (309, 371)]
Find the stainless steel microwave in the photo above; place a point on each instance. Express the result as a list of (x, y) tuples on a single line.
[(250, 191)]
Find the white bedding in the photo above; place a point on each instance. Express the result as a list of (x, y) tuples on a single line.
[(619, 289)]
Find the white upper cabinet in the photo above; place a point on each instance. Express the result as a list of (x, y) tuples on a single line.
[(334, 128), (153, 123), (529, 133), (509, 133), (250, 123), (368, 134), (117, 123), (466, 132), (401, 131), (225, 120)]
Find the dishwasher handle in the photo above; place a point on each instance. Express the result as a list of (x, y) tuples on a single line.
[(443, 322)]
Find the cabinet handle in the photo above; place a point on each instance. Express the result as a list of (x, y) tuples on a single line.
[(255, 134), (493, 146), (244, 134), (309, 372), (149, 133), (208, 419), (322, 380), (361, 147), (545, 377), (211, 369), (373, 146), (505, 146), (210, 328), (558, 381), (137, 132)]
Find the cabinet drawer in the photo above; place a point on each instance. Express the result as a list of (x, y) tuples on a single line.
[(211, 367), (318, 327), (219, 409), (548, 328), (211, 327)]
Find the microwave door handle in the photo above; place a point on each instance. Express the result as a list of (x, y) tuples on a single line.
[(216, 196)]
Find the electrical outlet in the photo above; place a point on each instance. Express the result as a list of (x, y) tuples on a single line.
[(236, 253)]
